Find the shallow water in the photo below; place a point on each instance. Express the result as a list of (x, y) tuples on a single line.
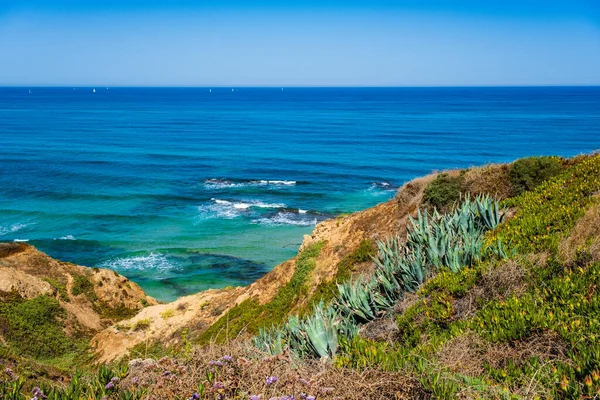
[(184, 189)]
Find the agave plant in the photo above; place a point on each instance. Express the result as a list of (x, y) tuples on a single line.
[(322, 331), (269, 340), (489, 211), (433, 241)]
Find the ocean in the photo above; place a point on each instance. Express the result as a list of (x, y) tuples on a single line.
[(185, 189)]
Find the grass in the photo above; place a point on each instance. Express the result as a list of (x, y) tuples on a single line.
[(327, 290)]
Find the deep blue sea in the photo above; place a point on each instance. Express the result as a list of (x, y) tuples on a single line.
[(184, 189)]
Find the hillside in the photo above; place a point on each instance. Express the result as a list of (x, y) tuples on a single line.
[(486, 299), (50, 309)]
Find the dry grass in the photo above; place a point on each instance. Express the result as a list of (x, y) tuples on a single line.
[(469, 355), (8, 249), (380, 330), (503, 281), (248, 370), (584, 239), (490, 179)]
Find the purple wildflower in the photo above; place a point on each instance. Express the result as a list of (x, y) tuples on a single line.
[(215, 363), (109, 386), (115, 380), (227, 358), (304, 382), (195, 396), (218, 385), (271, 380), (135, 380), (166, 373), (38, 394), (256, 397)]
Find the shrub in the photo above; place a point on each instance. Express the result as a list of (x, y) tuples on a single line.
[(60, 288), (142, 324), (33, 328), (528, 173), (444, 191), (81, 284)]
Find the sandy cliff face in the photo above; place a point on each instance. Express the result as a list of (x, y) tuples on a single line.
[(93, 298), (341, 236)]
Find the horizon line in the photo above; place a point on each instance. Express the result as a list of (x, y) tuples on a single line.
[(295, 86)]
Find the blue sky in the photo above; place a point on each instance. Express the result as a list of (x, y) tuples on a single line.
[(299, 43)]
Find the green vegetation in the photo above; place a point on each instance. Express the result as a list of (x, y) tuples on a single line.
[(545, 215), (444, 191), (142, 324), (81, 284), (434, 242), (327, 290), (33, 327), (60, 287), (251, 316), (106, 383), (508, 319), (527, 173)]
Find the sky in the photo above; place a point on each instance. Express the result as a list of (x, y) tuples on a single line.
[(299, 43)]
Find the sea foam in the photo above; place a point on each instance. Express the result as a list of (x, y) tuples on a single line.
[(219, 208), (217, 183), (287, 218), (5, 230), (153, 261)]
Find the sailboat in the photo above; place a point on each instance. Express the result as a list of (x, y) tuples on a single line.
[(94, 91), (209, 90)]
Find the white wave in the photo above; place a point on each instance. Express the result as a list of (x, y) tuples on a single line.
[(214, 183), (285, 218), (381, 188), (5, 230), (153, 261), (301, 211), (285, 183), (21, 240), (222, 184), (231, 209), (67, 237)]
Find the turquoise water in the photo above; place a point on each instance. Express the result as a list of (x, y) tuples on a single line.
[(187, 189)]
